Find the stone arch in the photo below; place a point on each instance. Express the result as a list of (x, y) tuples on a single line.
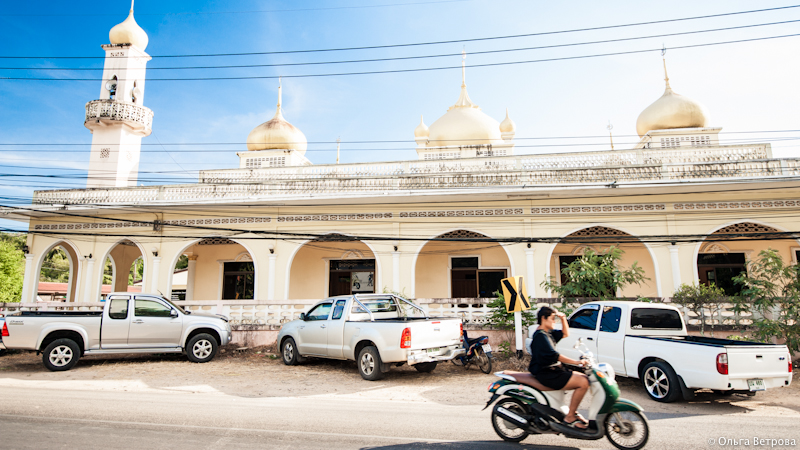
[(121, 262), (309, 259), (723, 257), (433, 277), (209, 267), (635, 250), (71, 250)]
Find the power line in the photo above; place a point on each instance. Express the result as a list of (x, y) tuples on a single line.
[(425, 69), (404, 58), (452, 41)]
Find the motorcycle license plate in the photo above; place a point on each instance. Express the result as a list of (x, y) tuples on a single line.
[(434, 350), (756, 384), (487, 348)]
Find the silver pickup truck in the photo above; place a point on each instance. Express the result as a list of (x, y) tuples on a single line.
[(376, 330), (129, 323)]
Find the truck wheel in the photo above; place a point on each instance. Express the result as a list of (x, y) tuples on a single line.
[(201, 348), (61, 354), (661, 382), (369, 364), (426, 367), (289, 353)]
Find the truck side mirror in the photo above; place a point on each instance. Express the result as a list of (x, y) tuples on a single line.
[(303, 316), (173, 313)]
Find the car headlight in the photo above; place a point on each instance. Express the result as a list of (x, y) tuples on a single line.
[(607, 369)]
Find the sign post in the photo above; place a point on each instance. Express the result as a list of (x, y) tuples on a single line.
[(516, 298)]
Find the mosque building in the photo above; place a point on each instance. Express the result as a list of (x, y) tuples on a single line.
[(280, 230)]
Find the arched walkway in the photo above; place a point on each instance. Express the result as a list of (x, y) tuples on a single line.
[(127, 267), (635, 251), (58, 273), (217, 268), (333, 265), (724, 254), (453, 269)]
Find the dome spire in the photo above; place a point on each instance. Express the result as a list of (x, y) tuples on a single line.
[(278, 112), (664, 59), (463, 100)]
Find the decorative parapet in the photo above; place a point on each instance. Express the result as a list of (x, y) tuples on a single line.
[(137, 117), (600, 168)]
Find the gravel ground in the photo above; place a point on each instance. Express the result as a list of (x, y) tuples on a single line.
[(259, 372)]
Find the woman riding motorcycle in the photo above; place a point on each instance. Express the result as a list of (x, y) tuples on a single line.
[(546, 364)]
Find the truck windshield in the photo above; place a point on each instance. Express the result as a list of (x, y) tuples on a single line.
[(174, 305)]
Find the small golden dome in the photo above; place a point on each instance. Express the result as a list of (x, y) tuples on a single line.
[(422, 129), (508, 125), (277, 134), (129, 32), (670, 111)]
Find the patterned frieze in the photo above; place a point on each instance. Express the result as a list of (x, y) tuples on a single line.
[(737, 205), (464, 213), (599, 209), (334, 217)]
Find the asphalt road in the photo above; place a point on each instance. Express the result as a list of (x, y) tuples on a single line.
[(35, 416)]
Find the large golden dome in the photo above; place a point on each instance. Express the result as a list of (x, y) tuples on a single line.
[(129, 32), (464, 124), (671, 111), (277, 134)]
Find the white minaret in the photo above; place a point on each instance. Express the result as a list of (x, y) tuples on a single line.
[(119, 120)]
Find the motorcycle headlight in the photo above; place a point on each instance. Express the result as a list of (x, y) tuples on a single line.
[(607, 369)]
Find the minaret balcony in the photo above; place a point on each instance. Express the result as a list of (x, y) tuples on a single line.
[(101, 113)]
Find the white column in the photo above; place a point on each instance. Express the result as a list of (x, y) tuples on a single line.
[(156, 271), (676, 267), (271, 277), (396, 271), (190, 277), (530, 281), (87, 285), (29, 281)]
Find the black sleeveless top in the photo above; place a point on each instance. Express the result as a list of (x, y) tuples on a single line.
[(543, 350)]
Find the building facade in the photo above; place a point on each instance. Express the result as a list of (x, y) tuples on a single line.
[(683, 205)]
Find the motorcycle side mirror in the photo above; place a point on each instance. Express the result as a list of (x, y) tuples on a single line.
[(578, 343), (303, 316)]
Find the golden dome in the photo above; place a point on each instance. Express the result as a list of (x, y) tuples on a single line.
[(671, 111), (129, 32), (464, 124), (422, 130), (508, 125), (277, 134)]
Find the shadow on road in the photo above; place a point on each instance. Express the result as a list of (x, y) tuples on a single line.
[(468, 445)]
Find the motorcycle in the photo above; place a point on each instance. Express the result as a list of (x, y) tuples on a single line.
[(531, 408), (479, 352)]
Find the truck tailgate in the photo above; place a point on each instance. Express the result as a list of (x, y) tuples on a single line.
[(435, 333), (758, 362)]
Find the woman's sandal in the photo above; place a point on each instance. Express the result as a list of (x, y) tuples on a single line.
[(575, 424), (582, 419)]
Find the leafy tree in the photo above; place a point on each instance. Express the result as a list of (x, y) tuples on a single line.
[(699, 298), (772, 289), (183, 262), (12, 269), (55, 267), (108, 272), (17, 239), (137, 271), (596, 275)]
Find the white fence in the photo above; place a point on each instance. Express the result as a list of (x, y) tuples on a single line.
[(472, 311)]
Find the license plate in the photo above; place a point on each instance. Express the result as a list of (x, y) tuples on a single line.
[(487, 348), (434, 350), (756, 384)]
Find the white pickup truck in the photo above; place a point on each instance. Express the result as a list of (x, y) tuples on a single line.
[(649, 341), (376, 330), (128, 323)]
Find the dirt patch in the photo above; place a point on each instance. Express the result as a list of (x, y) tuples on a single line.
[(260, 372)]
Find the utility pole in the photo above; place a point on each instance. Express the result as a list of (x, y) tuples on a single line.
[(609, 128)]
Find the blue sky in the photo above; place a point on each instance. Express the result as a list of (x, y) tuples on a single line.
[(748, 86)]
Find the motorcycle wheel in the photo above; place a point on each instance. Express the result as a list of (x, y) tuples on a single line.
[(627, 430), (508, 431), (484, 361)]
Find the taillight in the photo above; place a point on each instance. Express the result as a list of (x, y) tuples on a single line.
[(722, 363), (790, 356), (405, 339), (461, 331), (5, 333), (485, 340)]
